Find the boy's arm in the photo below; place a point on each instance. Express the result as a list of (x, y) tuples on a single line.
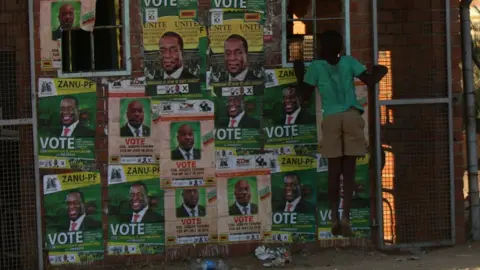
[(305, 88), (372, 78)]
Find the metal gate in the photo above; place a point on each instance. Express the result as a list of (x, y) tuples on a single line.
[(413, 133), (18, 172)]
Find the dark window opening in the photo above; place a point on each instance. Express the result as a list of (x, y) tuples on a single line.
[(99, 50), (305, 21)]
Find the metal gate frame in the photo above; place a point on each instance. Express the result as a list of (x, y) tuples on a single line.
[(34, 123), (378, 145)]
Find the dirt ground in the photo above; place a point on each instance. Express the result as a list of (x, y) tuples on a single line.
[(460, 257)]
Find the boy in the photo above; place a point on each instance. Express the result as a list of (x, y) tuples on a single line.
[(342, 126)]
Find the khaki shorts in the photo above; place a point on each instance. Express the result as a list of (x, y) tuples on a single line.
[(342, 134)]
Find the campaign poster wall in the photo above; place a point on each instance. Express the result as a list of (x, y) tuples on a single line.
[(236, 63), (237, 129), (360, 212), (131, 133), (66, 123), (190, 210), (185, 132), (294, 199), (290, 125), (136, 219), (245, 212), (73, 217), (174, 58)]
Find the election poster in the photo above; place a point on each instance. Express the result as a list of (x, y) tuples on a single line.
[(245, 10), (236, 63), (73, 217), (237, 124), (360, 212), (174, 61), (185, 132), (290, 125), (294, 200), (66, 123), (246, 215), (136, 220), (131, 135), (227, 159), (190, 210), (50, 54)]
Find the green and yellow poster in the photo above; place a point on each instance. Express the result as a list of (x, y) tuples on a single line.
[(67, 123), (175, 49), (360, 212), (294, 199), (245, 10), (289, 123), (73, 217), (136, 220), (236, 65)]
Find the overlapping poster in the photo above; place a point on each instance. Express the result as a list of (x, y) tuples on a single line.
[(246, 215), (174, 49), (237, 130), (294, 188), (185, 132), (246, 10), (73, 217), (134, 87), (67, 123), (57, 17), (236, 65), (131, 133), (360, 212), (190, 210), (290, 125), (136, 220)]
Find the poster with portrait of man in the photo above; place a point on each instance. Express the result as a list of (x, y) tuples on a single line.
[(190, 210), (73, 217), (236, 63), (246, 216), (136, 216), (67, 110), (360, 211), (294, 200), (289, 122), (131, 135), (65, 15), (186, 137), (174, 66)]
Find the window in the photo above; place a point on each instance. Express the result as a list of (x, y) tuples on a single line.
[(304, 20), (103, 52)]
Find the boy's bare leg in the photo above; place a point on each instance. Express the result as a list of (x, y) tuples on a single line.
[(334, 172), (348, 172)]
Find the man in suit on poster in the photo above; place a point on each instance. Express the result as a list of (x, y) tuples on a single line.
[(190, 206), (236, 59), (294, 114), (78, 219), (293, 201), (69, 120), (171, 58), (242, 205), (135, 117), (139, 204), (66, 17), (237, 116), (186, 141)]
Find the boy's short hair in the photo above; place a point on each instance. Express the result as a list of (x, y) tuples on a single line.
[(331, 40)]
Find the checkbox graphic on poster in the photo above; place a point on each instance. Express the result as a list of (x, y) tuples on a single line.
[(217, 18), (151, 14)]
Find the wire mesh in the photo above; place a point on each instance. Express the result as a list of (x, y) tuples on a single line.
[(18, 248), (416, 176)]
